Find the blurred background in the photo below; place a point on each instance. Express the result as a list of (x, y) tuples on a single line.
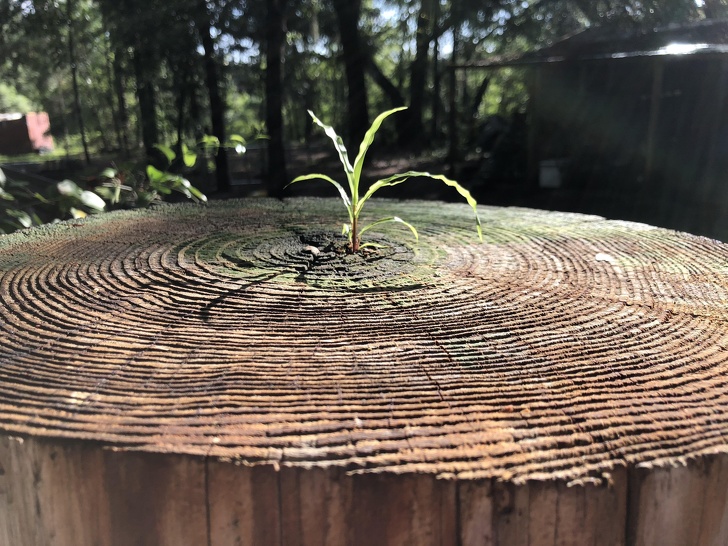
[(617, 108)]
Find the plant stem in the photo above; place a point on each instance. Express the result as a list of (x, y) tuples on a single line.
[(354, 235)]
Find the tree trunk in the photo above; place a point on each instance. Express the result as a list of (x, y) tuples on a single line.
[(355, 65), (275, 34), (146, 95), (418, 75), (74, 78), (435, 130), (110, 100), (217, 104), (120, 91), (236, 380)]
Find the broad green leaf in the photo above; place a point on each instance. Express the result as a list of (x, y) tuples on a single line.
[(391, 219), (106, 192), (237, 139), (154, 174), (69, 188), (167, 151), (198, 194), (109, 173), (189, 158), (369, 138), (399, 178), (92, 201), (209, 141), (21, 216), (338, 143), (6, 196), (328, 179), (3, 178)]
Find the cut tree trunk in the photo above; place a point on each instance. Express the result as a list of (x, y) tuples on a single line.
[(223, 375)]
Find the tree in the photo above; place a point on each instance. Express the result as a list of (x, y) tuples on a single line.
[(275, 34), (355, 65), (71, 40), (217, 104)]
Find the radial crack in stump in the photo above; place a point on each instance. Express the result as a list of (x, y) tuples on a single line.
[(564, 347)]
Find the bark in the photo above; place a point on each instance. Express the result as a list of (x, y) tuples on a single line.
[(217, 104), (355, 65), (275, 35)]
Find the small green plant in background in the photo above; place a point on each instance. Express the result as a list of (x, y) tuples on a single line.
[(130, 187), (354, 202), (15, 212), (23, 208)]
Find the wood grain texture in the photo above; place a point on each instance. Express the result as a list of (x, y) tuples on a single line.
[(506, 392), (77, 494)]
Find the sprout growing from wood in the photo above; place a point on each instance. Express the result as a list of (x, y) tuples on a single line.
[(353, 202)]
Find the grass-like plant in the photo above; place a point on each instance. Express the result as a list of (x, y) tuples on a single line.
[(354, 202)]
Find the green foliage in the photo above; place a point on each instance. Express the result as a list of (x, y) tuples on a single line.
[(353, 201), (132, 187), (21, 207), (15, 212), (11, 101)]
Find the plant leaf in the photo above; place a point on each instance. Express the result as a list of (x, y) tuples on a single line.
[(154, 174), (92, 200), (210, 142), (237, 139), (167, 151), (69, 188), (189, 158), (328, 179), (108, 173), (369, 138), (399, 178), (392, 219), (3, 178), (197, 194), (338, 143), (21, 216)]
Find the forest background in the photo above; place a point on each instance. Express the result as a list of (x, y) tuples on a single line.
[(118, 77)]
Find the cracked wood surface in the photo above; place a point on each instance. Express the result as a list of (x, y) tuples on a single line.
[(560, 347)]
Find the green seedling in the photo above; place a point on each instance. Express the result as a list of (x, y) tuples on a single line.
[(354, 202)]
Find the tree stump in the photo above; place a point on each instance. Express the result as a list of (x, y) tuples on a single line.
[(223, 375)]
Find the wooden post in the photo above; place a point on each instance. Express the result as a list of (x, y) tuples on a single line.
[(199, 375)]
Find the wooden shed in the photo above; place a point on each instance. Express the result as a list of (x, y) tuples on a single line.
[(25, 133), (632, 124)]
